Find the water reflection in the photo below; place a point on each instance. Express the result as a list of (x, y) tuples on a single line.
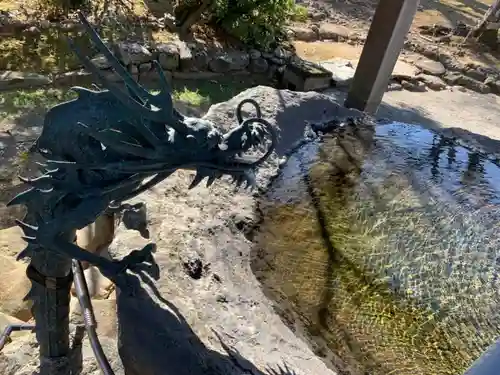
[(385, 245)]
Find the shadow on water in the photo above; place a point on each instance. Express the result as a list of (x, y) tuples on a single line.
[(384, 244)]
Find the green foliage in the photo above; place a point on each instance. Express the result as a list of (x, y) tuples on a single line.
[(299, 13), (255, 22)]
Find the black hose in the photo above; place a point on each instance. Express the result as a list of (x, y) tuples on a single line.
[(82, 292)]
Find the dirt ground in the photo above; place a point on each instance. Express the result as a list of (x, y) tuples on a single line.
[(357, 15)]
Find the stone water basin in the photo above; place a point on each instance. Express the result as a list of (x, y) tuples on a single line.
[(383, 243)]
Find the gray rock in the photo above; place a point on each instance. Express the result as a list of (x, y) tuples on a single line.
[(282, 53), (133, 69), (226, 307), (476, 73), (145, 67), (474, 85), (133, 53), (101, 62), (496, 87), (394, 86), (168, 56), (72, 77), (416, 86), (431, 67), (433, 82), (342, 71), (186, 59), (304, 33), (201, 60), (318, 15), (10, 80), (452, 78), (229, 61), (254, 54), (259, 65), (333, 32)]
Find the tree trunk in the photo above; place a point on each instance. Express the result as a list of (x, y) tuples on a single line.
[(487, 30)]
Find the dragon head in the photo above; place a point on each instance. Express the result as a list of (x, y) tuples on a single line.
[(163, 140)]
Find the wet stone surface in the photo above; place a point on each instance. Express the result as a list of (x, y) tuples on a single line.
[(385, 245)]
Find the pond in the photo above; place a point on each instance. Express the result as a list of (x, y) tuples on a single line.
[(382, 242)]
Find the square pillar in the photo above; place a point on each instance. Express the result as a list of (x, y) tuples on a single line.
[(391, 23)]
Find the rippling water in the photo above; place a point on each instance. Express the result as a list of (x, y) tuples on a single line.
[(384, 244)]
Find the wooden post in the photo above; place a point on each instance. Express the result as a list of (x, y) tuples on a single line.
[(390, 24)]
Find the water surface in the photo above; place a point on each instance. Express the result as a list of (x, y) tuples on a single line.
[(384, 243)]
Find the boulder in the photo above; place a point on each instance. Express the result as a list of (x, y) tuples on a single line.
[(334, 32), (11, 242), (14, 286), (304, 33), (259, 65), (342, 71), (229, 61), (433, 82), (219, 321), (168, 56), (133, 53), (431, 67), (10, 80)]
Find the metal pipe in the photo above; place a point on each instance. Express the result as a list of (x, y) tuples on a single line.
[(12, 328), (82, 293)]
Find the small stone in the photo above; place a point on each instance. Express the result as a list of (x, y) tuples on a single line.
[(452, 78), (318, 15), (282, 53), (333, 32), (145, 67), (32, 30), (45, 24), (186, 60), (101, 62), (459, 88), (394, 86), (254, 54), (496, 87), (168, 56), (133, 53), (201, 60), (342, 71), (14, 286), (278, 61), (474, 85), (403, 70), (133, 69), (304, 33), (433, 82), (476, 73), (413, 86), (230, 61), (431, 67), (259, 65)]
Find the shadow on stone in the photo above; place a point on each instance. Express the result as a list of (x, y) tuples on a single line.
[(154, 338)]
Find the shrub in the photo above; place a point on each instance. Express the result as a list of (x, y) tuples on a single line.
[(255, 22)]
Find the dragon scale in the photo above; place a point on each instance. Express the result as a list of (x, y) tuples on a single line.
[(101, 149)]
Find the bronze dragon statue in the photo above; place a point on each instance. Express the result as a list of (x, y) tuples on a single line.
[(104, 148)]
